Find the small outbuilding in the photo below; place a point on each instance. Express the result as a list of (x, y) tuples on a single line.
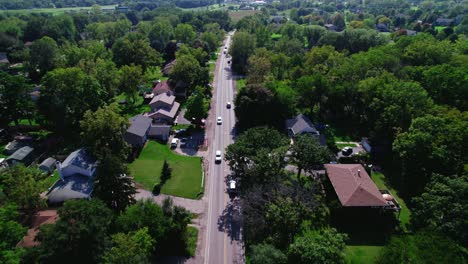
[(23, 156), (48, 165)]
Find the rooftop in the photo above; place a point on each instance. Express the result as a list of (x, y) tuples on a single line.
[(80, 158), (301, 124), (353, 185), (75, 186), (139, 125), (21, 153), (165, 98)]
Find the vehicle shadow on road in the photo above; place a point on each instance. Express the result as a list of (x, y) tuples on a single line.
[(230, 220)]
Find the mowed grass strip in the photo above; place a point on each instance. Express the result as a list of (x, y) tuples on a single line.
[(362, 254), (405, 213), (186, 175)]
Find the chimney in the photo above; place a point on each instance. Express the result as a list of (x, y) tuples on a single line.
[(359, 173), (58, 165)]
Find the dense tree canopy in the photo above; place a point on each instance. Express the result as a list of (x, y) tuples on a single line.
[(80, 235), (65, 96)]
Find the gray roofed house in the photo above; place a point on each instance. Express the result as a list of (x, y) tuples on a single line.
[(4, 58), (160, 132), (445, 22), (301, 125), (76, 178), (78, 162), (22, 155), (48, 165), (137, 133), (163, 108), (75, 186)]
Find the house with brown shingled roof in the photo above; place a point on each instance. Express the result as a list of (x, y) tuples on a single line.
[(355, 188)]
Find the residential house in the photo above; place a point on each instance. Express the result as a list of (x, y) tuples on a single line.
[(76, 178), (160, 132), (330, 27), (354, 188), (168, 68), (137, 133), (4, 58), (48, 165), (382, 27), (443, 22), (162, 87), (163, 108), (23, 156), (301, 125)]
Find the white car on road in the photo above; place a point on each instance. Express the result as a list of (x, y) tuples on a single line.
[(218, 157), (219, 121)]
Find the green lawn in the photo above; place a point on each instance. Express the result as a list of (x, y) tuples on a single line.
[(342, 145), (192, 240), (362, 254), (439, 28), (186, 171), (240, 83), (2, 149), (50, 180), (405, 213), (276, 36), (130, 110)]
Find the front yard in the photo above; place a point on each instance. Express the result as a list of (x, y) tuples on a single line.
[(186, 175)]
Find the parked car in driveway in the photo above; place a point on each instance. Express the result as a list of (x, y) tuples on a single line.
[(346, 151), (174, 142)]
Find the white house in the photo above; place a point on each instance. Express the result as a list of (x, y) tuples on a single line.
[(78, 162)]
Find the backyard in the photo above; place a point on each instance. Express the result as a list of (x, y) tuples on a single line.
[(367, 249), (186, 175)]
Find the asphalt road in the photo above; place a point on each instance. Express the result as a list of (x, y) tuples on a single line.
[(223, 242)]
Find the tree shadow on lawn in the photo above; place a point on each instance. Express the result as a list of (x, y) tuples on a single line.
[(364, 226)]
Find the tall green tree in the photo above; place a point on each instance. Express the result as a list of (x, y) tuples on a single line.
[(432, 144), (322, 246), (267, 254), (160, 34), (22, 186), (197, 106), (422, 248), (443, 207), (188, 70), (184, 33), (145, 214), (134, 48), (15, 100), (65, 96), (11, 232), (103, 133), (130, 79), (133, 247), (43, 57), (306, 153), (243, 45), (113, 185), (79, 236)]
